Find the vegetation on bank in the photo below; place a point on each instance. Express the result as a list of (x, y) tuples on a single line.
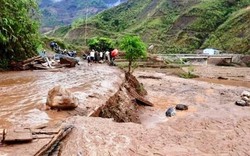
[(101, 44), (19, 35), (134, 49), (173, 26)]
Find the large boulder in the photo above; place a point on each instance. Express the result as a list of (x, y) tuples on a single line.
[(61, 98), (69, 61)]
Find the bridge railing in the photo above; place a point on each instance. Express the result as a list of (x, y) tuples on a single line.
[(194, 55)]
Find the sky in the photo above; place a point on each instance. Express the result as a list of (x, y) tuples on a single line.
[(56, 0)]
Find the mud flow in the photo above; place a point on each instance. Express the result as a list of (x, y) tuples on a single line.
[(23, 94)]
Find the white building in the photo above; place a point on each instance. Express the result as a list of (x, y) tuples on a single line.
[(211, 51)]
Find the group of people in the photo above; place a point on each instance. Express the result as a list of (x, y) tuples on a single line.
[(56, 48), (95, 56)]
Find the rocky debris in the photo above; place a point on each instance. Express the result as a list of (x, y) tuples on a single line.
[(171, 112), (241, 103), (17, 136), (245, 99), (245, 93), (181, 107), (61, 98)]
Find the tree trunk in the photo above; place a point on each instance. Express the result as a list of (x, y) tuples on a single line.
[(129, 66)]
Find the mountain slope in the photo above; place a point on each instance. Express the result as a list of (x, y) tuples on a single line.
[(171, 25), (63, 12), (234, 34)]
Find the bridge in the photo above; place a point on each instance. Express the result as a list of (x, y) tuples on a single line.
[(203, 58)]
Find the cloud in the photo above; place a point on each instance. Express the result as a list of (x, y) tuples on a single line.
[(56, 1)]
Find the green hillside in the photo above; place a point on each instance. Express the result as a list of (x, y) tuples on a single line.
[(172, 26), (234, 34)]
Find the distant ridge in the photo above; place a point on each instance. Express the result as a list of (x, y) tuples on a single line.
[(172, 26)]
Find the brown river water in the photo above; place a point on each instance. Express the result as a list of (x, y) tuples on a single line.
[(23, 93)]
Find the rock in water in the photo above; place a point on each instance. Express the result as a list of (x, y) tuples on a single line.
[(71, 62), (245, 98), (245, 93), (181, 107), (170, 112), (241, 103), (61, 98)]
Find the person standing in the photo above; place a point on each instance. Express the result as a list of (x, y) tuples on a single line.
[(92, 55), (107, 55), (101, 55)]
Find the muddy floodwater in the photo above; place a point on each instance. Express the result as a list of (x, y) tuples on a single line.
[(23, 93)]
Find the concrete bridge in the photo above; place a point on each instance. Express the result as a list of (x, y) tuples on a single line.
[(198, 58)]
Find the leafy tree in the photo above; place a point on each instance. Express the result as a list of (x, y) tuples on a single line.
[(134, 49), (101, 44), (19, 34)]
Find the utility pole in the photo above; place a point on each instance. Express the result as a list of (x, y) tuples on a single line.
[(85, 28)]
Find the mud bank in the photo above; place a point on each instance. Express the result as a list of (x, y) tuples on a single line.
[(122, 106)]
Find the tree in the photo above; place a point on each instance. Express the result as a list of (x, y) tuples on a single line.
[(101, 44), (134, 49), (19, 30)]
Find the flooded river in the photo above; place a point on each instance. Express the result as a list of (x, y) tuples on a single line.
[(23, 93)]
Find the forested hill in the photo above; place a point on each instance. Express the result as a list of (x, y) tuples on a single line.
[(62, 12), (173, 26)]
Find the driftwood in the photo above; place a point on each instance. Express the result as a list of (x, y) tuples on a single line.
[(48, 148), (45, 131), (31, 59), (26, 64)]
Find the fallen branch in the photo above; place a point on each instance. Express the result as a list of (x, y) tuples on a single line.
[(149, 77), (49, 148)]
